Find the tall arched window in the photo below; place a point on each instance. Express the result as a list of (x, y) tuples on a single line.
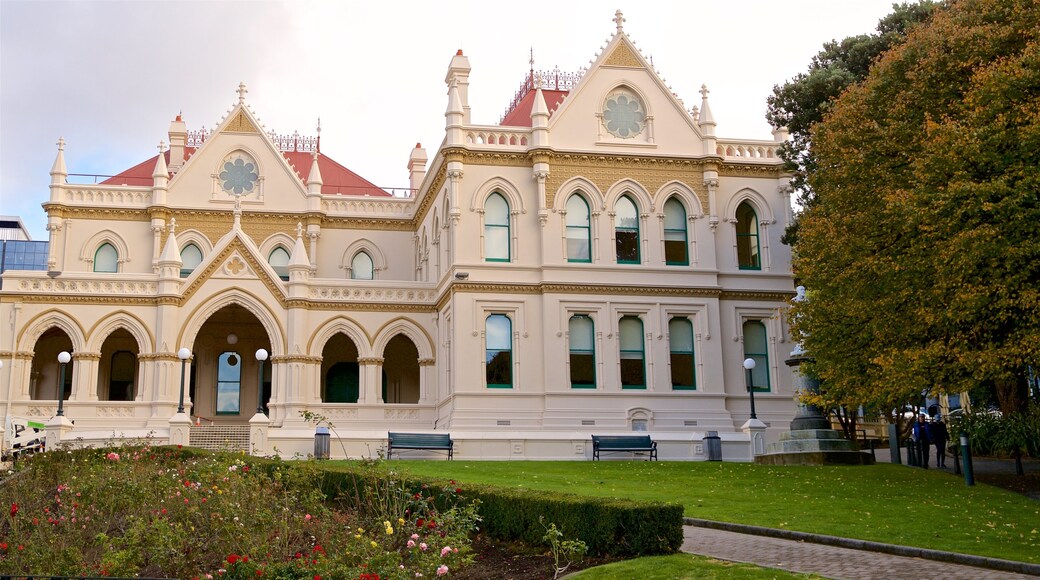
[(579, 246), (106, 259), (633, 369), (583, 352), (121, 376), (626, 231), (279, 260), (361, 267), (675, 246), (747, 238), (498, 336), (756, 347), (191, 257), (496, 229), (229, 383), (680, 344)]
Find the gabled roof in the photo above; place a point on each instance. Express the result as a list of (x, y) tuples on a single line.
[(337, 179), (520, 114)]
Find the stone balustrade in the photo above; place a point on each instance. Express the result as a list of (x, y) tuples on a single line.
[(121, 196), (498, 137), (764, 151)]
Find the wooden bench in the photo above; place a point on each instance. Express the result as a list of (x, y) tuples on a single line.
[(420, 442), (623, 444)]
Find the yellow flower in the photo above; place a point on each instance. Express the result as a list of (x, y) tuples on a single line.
[(374, 544), (400, 521), (389, 530)]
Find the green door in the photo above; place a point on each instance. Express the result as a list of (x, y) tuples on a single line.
[(341, 383)]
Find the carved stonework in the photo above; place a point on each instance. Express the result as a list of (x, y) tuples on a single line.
[(236, 267), (623, 56), (750, 295), (401, 413), (41, 411), (115, 411), (604, 171), (337, 414), (241, 124), (741, 170)]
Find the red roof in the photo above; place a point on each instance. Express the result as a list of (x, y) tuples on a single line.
[(335, 177), (520, 116)]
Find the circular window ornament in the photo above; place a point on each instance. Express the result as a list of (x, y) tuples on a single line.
[(238, 174), (624, 114)]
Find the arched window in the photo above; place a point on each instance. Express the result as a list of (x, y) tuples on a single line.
[(361, 267), (756, 347), (633, 369), (675, 246), (579, 246), (106, 259), (496, 229), (229, 383), (191, 257), (747, 238), (680, 341), (279, 260), (121, 376), (583, 352), (498, 335), (626, 231)]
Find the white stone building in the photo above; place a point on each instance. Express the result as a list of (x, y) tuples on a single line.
[(599, 262)]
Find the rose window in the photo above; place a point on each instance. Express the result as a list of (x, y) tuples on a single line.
[(238, 175), (624, 114)]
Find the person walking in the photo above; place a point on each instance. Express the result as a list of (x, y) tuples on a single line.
[(921, 437), (939, 435)]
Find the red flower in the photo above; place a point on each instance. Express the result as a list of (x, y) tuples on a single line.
[(458, 490), (317, 577), (14, 509), (419, 522), (233, 558)]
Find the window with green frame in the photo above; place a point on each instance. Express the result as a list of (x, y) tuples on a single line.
[(756, 348), (579, 245), (106, 259), (680, 343), (279, 260), (361, 267), (191, 257), (676, 249), (633, 367), (496, 229), (626, 230), (229, 383), (498, 337), (581, 332), (748, 257)]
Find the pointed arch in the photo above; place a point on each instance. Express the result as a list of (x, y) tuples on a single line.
[(629, 85), (198, 238), (501, 186), (684, 193), (273, 241), (635, 190), (44, 321), (422, 341), (120, 319), (340, 325), (593, 196), (97, 240), (251, 303), (369, 247), (757, 202)]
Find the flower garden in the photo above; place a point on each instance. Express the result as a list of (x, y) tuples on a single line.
[(168, 512)]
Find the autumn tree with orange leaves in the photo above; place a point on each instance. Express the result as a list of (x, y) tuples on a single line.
[(922, 249)]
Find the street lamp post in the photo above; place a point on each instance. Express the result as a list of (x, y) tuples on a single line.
[(261, 356), (749, 364), (184, 354), (63, 358)]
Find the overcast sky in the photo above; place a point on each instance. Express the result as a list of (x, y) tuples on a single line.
[(110, 76)]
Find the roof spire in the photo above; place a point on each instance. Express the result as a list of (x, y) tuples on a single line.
[(58, 171), (619, 19), (242, 90), (161, 173)]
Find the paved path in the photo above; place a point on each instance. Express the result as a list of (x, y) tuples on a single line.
[(829, 561)]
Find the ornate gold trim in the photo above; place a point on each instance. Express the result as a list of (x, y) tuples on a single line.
[(240, 124), (623, 56), (773, 171), (296, 358), (216, 262), (756, 295)]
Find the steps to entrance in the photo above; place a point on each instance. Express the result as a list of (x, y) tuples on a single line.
[(220, 437)]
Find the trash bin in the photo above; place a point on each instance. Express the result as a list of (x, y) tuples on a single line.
[(321, 443), (713, 446)]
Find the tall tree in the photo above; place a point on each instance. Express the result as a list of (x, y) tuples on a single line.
[(802, 102), (922, 246)]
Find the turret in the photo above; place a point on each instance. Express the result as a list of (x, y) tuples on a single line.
[(59, 174), (170, 260), (454, 118), (458, 74), (707, 124), (299, 266), (160, 177), (539, 119)]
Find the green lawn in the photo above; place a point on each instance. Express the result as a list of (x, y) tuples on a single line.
[(883, 503), (682, 567)]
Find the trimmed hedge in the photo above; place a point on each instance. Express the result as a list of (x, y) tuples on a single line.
[(607, 526)]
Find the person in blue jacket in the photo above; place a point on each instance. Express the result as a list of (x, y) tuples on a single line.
[(922, 440)]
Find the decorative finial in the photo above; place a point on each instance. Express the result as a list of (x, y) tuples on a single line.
[(242, 90), (531, 60), (61, 143), (173, 225), (619, 19), (319, 125), (704, 91), (162, 146), (299, 229)]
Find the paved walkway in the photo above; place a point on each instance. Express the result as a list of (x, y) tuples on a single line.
[(828, 561)]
